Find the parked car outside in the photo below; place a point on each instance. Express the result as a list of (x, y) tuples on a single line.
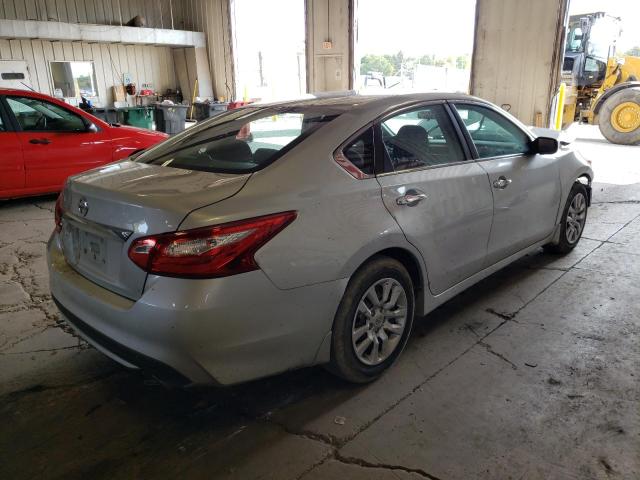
[(220, 257), (44, 140)]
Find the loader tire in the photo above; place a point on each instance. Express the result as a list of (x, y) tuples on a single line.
[(619, 118)]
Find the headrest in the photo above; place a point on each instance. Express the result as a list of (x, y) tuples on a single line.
[(262, 155), (414, 133), (232, 150)]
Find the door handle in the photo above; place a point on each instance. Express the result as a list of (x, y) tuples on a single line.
[(40, 141), (502, 182), (411, 198)]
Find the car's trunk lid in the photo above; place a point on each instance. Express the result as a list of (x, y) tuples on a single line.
[(106, 209)]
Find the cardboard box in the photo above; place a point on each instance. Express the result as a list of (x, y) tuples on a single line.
[(119, 94)]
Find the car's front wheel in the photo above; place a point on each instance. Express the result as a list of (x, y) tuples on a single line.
[(574, 217), (373, 321)]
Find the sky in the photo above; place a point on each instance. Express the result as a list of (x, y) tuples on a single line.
[(416, 27), (627, 10), (446, 27)]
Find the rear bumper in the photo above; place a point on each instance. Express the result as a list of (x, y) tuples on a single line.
[(213, 331), (125, 355)]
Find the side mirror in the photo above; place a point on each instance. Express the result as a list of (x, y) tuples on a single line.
[(91, 128), (544, 146)]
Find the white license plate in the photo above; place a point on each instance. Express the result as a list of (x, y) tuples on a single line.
[(81, 246), (93, 248)]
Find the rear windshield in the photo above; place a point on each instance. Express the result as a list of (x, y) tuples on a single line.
[(240, 141)]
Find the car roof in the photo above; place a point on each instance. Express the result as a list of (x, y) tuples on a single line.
[(350, 100), (18, 91), (366, 106)]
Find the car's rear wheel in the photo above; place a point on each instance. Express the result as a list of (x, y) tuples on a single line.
[(373, 321), (574, 217)]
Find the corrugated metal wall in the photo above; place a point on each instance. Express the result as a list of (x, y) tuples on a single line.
[(213, 18), (157, 13), (517, 54), (194, 15), (208, 16), (144, 63)]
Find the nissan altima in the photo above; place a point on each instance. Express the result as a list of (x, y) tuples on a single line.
[(311, 232)]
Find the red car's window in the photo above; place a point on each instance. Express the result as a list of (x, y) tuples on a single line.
[(40, 116)]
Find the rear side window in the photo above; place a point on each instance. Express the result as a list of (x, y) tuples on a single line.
[(493, 134), (243, 144), (35, 115), (420, 138), (357, 155)]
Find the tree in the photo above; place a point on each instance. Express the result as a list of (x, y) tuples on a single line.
[(398, 61), (376, 63), (462, 62), (427, 60)]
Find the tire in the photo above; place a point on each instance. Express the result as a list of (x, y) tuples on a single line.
[(570, 220), (631, 120), (385, 276)]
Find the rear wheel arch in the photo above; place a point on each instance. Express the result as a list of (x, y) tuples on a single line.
[(366, 341), (413, 266)]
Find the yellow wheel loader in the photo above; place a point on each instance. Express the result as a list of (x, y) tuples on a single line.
[(601, 88)]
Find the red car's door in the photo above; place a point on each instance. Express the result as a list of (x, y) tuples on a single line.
[(56, 142), (11, 160)]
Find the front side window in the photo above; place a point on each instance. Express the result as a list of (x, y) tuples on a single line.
[(492, 134), (420, 138), (35, 115), (243, 141)]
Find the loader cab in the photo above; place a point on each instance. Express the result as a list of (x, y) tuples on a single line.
[(591, 40)]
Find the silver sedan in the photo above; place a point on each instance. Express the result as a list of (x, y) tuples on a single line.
[(311, 232)]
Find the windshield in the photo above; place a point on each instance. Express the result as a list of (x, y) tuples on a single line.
[(241, 141), (602, 37), (596, 34)]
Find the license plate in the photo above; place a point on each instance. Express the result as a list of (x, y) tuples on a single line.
[(93, 248), (81, 246)]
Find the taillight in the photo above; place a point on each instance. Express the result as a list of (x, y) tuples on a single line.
[(58, 212), (216, 251)]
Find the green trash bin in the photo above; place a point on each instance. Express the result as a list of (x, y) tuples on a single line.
[(136, 116)]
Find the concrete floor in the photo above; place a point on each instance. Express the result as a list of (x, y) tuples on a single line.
[(533, 373)]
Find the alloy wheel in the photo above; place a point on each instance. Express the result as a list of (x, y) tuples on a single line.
[(379, 321), (576, 216)]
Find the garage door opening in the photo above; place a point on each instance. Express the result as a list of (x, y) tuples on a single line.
[(269, 49), (412, 45)]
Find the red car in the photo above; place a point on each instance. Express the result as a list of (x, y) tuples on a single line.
[(44, 140)]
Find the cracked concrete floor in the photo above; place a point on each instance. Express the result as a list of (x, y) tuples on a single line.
[(531, 374)]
